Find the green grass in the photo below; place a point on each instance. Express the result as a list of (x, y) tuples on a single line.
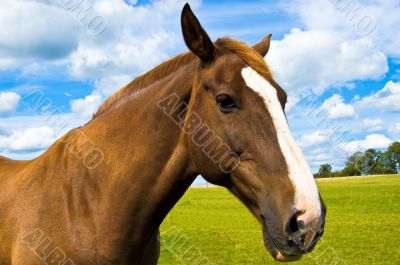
[(210, 226)]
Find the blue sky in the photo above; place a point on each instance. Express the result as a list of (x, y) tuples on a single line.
[(345, 58)]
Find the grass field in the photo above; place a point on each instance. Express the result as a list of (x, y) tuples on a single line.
[(210, 226)]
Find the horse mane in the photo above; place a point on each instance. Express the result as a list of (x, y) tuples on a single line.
[(250, 56), (147, 79)]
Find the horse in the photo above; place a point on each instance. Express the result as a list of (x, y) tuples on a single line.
[(99, 194)]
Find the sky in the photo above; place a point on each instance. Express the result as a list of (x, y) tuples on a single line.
[(338, 60)]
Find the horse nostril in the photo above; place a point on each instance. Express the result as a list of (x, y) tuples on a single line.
[(294, 225), (303, 231)]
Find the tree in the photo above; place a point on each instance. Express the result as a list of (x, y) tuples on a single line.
[(384, 164), (325, 171), (368, 161), (390, 159), (352, 165), (365, 163), (394, 149)]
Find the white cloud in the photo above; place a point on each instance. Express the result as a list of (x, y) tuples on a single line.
[(314, 138), (373, 124), (109, 85), (320, 148), (50, 34), (376, 141), (337, 109), (8, 102), (18, 142), (125, 56), (136, 39), (395, 129), (318, 60), (86, 107), (27, 140), (104, 87), (315, 20), (341, 111), (386, 99), (323, 15)]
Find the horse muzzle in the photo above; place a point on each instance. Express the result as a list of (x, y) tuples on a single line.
[(299, 237)]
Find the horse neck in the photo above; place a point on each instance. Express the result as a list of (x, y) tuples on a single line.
[(146, 167)]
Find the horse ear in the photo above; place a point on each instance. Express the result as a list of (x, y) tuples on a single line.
[(263, 46), (195, 36)]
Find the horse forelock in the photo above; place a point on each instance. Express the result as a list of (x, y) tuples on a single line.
[(249, 55)]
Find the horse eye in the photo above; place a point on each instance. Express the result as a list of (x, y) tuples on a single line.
[(225, 102)]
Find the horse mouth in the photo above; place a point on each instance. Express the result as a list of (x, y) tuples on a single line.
[(271, 246)]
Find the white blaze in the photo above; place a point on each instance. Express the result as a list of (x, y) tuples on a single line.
[(306, 192)]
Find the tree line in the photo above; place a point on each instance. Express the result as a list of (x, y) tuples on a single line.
[(369, 162)]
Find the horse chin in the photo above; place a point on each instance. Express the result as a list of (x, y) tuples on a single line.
[(272, 248), (282, 258)]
